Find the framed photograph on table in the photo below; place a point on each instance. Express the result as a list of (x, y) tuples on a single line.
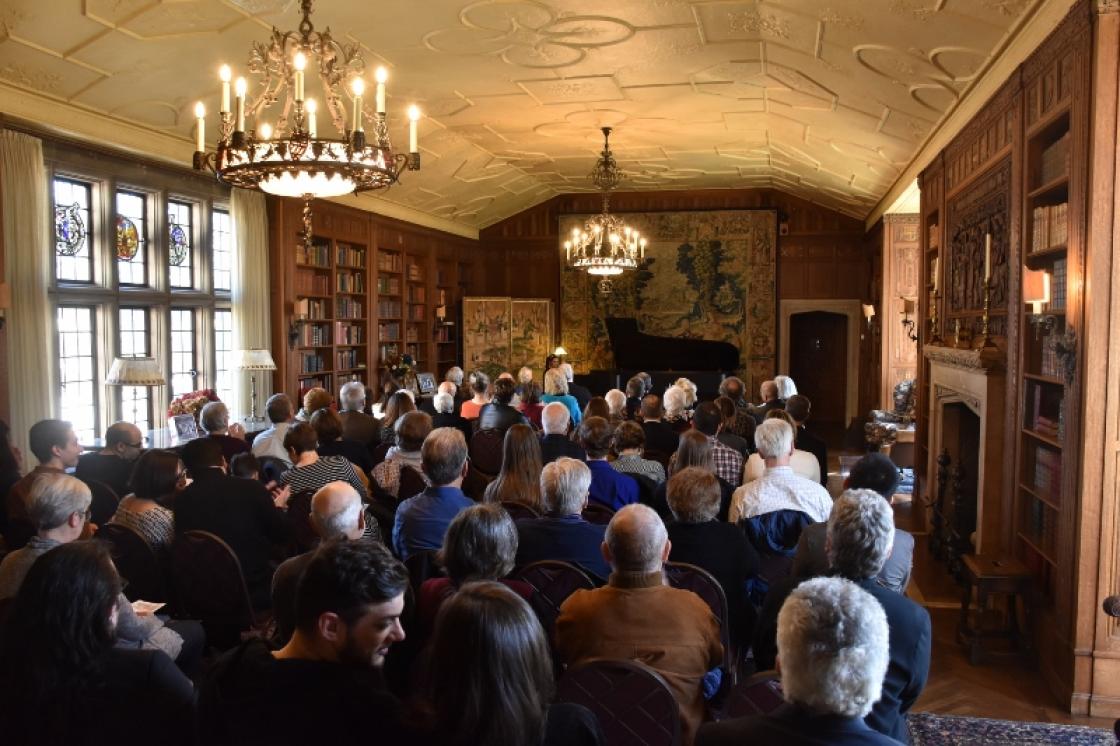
[(182, 428), (427, 383)]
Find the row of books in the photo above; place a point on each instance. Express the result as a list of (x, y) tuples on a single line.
[(932, 241), (1054, 161), (417, 293), (416, 313), (1058, 285), (1041, 526), (350, 256), (311, 362), (414, 273), (389, 309), (352, 358), (311, 283), (314, 335), (315, 382), (445, 334), (349, 334), (388, 262), (350, 282), (1049, 226), (388, 350), (1051, 428), (388, 332), (388, 285), (411, 335), (1046, 414), (317, 255), (1047, 472), (349, 308), (1048, 361), (311, 308)]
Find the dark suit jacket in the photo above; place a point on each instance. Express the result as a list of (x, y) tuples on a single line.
[(581, 393), (451, 419), (806, 441), (555, 446), (791, 726), (567, 539), (759, 410), (660, 437), (361, 428), (241, 513), (722, 549), (502, 417), (734, 442)]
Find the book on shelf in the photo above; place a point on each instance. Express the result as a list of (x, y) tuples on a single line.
[(1047, 472), (388, 285), (1049, 226), (388, 350), (311, 283), (1054, 161), (351, 358), (316, 254), (311, 362), (415, 274), (350, 282), (1048, 363), (314, 335), (349, 308), (348, 377), (389, 262), (389, 332), (351, 256), (1058, 285), (445, 334), (410, 334), (416, 312), (417, 293), (349, 334), (310, 308), (1046, 426), (389, 309), (316, 382), (931, 240)]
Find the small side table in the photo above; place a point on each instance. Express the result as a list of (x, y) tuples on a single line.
[(1003, 575)]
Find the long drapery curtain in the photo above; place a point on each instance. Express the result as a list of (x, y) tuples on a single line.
[(250, 294), (23, 184)]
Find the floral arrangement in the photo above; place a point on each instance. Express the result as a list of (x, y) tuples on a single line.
[(191, 403), (400, 366)]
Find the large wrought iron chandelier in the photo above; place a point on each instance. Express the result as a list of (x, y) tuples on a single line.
[(286, 156), (605, 245)]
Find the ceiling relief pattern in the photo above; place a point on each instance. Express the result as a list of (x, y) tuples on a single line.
[(825, 99)]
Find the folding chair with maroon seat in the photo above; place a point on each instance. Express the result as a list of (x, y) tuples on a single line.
[(597, 513), (136, 562), (519, 511), (633, 703), (209, 586), (759, 694), (693, 578), (552, 582), (379, 452), (411, 483), (104, 503)]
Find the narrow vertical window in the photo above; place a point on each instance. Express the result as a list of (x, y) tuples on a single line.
[(223, 352), (135, 401), (72, 230), (180, 251), (222, 256), (183, 368), (77, 375), (130, 240)]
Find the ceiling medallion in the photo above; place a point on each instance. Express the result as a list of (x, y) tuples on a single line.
[(287, 157), (606, 245)]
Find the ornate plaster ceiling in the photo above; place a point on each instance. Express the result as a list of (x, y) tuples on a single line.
[(825, 99)]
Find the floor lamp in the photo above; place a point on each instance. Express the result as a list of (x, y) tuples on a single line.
[(252, 361), (135, 371)]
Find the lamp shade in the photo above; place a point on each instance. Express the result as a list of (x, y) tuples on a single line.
[(559, 351), (1036, 286), (868, 311), (254, 359), (907, 305), (135, 371)]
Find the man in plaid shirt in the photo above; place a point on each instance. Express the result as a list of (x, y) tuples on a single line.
[(728, 463)]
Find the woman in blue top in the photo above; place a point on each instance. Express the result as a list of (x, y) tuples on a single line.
[(556, 389)]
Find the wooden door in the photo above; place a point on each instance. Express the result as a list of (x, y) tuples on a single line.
[(818, 364)]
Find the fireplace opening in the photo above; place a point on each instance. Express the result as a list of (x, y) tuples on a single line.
[(958, 479)]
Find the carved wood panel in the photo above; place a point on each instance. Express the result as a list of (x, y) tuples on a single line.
[(984, 137), (982, 208)]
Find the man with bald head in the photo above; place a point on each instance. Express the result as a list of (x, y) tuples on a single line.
[(336, 511), (113, 463), (769, 393), (636, 616)]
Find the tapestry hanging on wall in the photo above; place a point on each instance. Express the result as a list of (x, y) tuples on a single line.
[(503, 334), (706, 275)]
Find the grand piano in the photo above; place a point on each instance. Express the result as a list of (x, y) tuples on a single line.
[(638, 351)]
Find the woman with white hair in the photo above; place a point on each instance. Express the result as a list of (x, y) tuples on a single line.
[(690, 391), (833, 644), (786, 387), (616, 406), (556, 390), (676, 410)]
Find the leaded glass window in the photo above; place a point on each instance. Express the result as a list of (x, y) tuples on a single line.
[(130, 239), (135, 401), (183, 366), (77, 375), (223, 352), (72, 230), (222, 256), (180, 233)]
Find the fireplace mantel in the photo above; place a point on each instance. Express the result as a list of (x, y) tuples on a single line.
[(988, 360)]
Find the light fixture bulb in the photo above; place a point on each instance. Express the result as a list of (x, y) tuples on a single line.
[(310, 105), (266, 131), (300, 61), (381, 75), (225, 73), (199, 110), (240, 86), (358, 86), (414, 113)]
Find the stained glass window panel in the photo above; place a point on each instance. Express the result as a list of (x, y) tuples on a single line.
[(72, 230), (223, 353), (222, 227), (135, 400), (76, 370), (183, 371), (180, 232), (131, 245)]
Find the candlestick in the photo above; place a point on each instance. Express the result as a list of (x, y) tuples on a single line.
[(381, 75), (358, 87), (224, 73), (568, 251), (239, 88), (299, 63), (200, 115), (936, 272), (311, 107), (986, 341), (934, 326), (413, 117), (987, 256)]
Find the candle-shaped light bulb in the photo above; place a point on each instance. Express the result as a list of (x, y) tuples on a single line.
[(358, 86), (266, 131), (239, 88), (413, 123), (568, 251), (200, 115), (642, 248), (300, 62), (311, 107), (225, 74), (936, 272), (987, 257), (381, 75)]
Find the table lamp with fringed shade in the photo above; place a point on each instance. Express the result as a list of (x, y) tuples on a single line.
[(253, 360), (559, 351), (135, 371)]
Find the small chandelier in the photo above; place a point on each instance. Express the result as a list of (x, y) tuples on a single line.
[(605, 245), (289, 158)]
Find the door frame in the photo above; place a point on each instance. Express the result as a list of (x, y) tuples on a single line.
[(847, 307)]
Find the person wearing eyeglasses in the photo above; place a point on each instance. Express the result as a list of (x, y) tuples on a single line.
[(113, 464)]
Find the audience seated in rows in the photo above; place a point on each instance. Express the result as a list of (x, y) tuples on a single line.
[(271, 441), (113, 464), (635, 390), (398, 405), (616, 406), (786, 387), (422, 520), (798, 408), (328, 431), (55, 445), (480, 396), (561, 533), (770, 400), (64, 677), (214, 419), (872, 472), (336, 512), (744, 422), (498, 414), (608, 487), (480, 544), (324, 685), (699, 538), (314, 399), (860, 533), (146, 509), (524, 378), (833, 647), (246, 466), (412, 429), (579, 392), (732, 419), (241, 512), (728, 462), (467, 696), (454, 375), (660, 436), (530, 404), (556, 390), (357, 426), (58, 506), (310, 471), (519, 479), (778, 488), (597, 407), (677, 416), (443, 403), (628, 440), (636, 616), (555, 418), (803, 463), (695, 449)]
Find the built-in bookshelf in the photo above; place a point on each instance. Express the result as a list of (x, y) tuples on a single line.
[(313, 314), (417, 317)]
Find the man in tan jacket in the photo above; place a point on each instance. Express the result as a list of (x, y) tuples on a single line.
[(636, 616)]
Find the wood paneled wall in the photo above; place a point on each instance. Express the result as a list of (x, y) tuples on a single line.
[(900, 257)]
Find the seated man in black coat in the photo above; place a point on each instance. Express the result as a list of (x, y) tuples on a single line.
[(832, 641), (659, 436), (562, 534), (498, 414), (113, 464), (555, 419), (860, 533), (241, 512), (580, 392)]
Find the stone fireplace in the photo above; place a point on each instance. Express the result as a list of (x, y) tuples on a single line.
[(966, 421)]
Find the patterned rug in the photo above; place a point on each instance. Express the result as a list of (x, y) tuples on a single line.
[(927, 729)]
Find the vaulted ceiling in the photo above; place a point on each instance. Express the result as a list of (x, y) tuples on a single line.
[(825, 99)]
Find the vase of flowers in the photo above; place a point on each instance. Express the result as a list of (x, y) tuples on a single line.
[(402, 369), (191, 403)]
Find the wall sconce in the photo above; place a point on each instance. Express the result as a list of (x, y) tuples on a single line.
[(293, 334), (907, 322), (868, 313), (1036, 293)]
